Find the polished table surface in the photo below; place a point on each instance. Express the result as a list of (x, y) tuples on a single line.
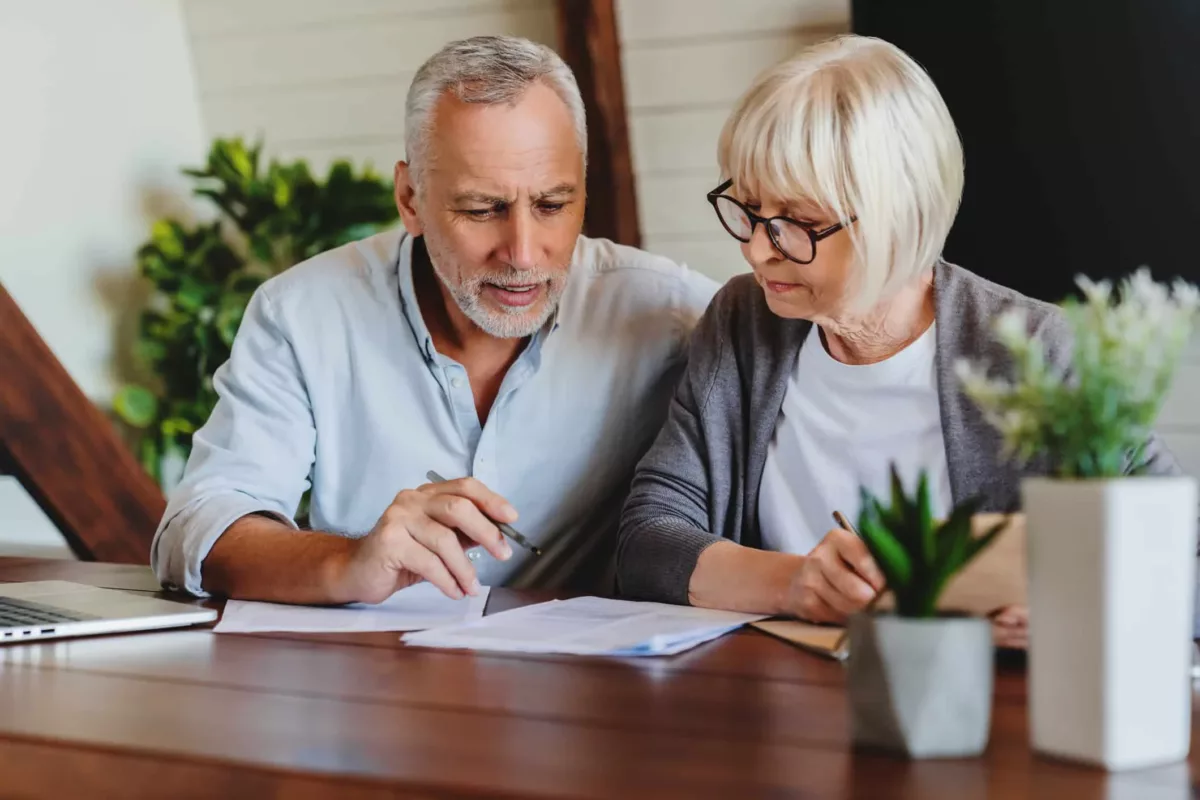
[(189, 713)]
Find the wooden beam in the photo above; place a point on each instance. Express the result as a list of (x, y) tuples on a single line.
[(67, 454), (590, 44)]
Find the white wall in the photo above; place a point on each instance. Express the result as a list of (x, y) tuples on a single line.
[(323, 79), (99, 114)]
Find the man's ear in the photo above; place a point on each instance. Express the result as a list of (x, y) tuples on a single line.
[(406, 199)]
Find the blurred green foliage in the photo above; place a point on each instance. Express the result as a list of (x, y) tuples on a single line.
[(270, 218)]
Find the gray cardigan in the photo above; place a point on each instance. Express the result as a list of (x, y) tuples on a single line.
[(700, 481)]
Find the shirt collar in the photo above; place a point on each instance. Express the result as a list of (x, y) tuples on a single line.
[(408, 298)]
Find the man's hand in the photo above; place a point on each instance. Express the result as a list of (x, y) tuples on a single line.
[(424, 535), (837, 578)]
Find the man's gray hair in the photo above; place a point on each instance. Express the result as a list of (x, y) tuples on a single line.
[(487, 70)]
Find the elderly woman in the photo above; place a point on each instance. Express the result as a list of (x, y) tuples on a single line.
[(835, 359)]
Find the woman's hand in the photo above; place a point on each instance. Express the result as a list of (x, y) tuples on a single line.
[(1010, 627), (836, 579)]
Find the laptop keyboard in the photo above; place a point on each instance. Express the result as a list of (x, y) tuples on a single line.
[(24, 614)]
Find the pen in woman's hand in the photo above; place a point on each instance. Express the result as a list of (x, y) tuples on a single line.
[(844, 524)]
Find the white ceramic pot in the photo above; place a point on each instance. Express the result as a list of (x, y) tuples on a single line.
[(921, 687), (1111, 589)]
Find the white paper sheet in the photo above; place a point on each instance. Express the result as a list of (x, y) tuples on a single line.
[(416, 608), (588, 626)]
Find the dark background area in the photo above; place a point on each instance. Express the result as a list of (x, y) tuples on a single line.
[(1081, 125)]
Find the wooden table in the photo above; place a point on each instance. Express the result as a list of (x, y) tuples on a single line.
[(188, 713)]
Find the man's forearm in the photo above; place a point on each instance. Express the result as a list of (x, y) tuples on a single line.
[(259, 558), (736, 578)]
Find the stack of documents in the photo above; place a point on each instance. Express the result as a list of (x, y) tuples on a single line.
[(588, 626), (416, 608)]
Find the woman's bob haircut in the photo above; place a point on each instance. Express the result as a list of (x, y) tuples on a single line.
[(853, 126)]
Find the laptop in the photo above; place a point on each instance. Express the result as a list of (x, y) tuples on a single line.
[(58, 609)]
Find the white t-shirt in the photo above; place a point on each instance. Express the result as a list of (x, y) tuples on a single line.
[(841, 427)]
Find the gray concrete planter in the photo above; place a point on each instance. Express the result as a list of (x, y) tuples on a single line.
[(921, 687)]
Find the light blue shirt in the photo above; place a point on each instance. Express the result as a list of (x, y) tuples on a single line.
[(334, 382)]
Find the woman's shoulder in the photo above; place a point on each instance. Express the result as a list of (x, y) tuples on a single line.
[(739, 292), (960, 289), (970, 304), (741, 302)]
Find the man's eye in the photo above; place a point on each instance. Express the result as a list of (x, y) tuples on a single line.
[(479, 213), (551, 208)]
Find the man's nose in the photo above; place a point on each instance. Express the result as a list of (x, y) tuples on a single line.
[(522, 240)]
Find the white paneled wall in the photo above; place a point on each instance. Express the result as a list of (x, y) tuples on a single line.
[(326, 79), (686, 62)]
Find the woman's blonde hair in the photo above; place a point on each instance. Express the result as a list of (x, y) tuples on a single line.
[(854, 126)]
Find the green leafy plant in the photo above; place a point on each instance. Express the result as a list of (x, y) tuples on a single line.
[(917, 554), (1091, 420), (271, 217)]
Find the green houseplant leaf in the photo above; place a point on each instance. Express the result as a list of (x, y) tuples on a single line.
[(887, 551), (136, 405), (272, 216), (917, 554)]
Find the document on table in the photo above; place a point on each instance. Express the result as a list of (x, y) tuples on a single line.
[(416, 608), (588, 626)]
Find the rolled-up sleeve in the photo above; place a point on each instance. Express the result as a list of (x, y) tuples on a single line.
[(254, 455)]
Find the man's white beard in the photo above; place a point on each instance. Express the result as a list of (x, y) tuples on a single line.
[(506, 322)]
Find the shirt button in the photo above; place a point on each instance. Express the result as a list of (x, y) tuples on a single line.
[(473, 554), (456, 382)]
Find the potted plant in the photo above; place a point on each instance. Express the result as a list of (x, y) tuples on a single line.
[(920, 682), (1110, 549)]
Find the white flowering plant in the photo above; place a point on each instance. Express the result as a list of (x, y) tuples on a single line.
[(1093, 419)]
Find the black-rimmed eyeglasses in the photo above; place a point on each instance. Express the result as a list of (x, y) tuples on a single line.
[(795, 240)]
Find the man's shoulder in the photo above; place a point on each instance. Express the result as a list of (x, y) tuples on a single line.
[(604, 270), (352, 272)]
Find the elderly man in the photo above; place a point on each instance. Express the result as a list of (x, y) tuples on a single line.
[(488, 342)]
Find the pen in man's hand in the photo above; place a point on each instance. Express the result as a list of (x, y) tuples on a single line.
[(504, 527)]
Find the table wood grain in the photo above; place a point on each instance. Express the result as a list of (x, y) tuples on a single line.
[(189, 713)]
